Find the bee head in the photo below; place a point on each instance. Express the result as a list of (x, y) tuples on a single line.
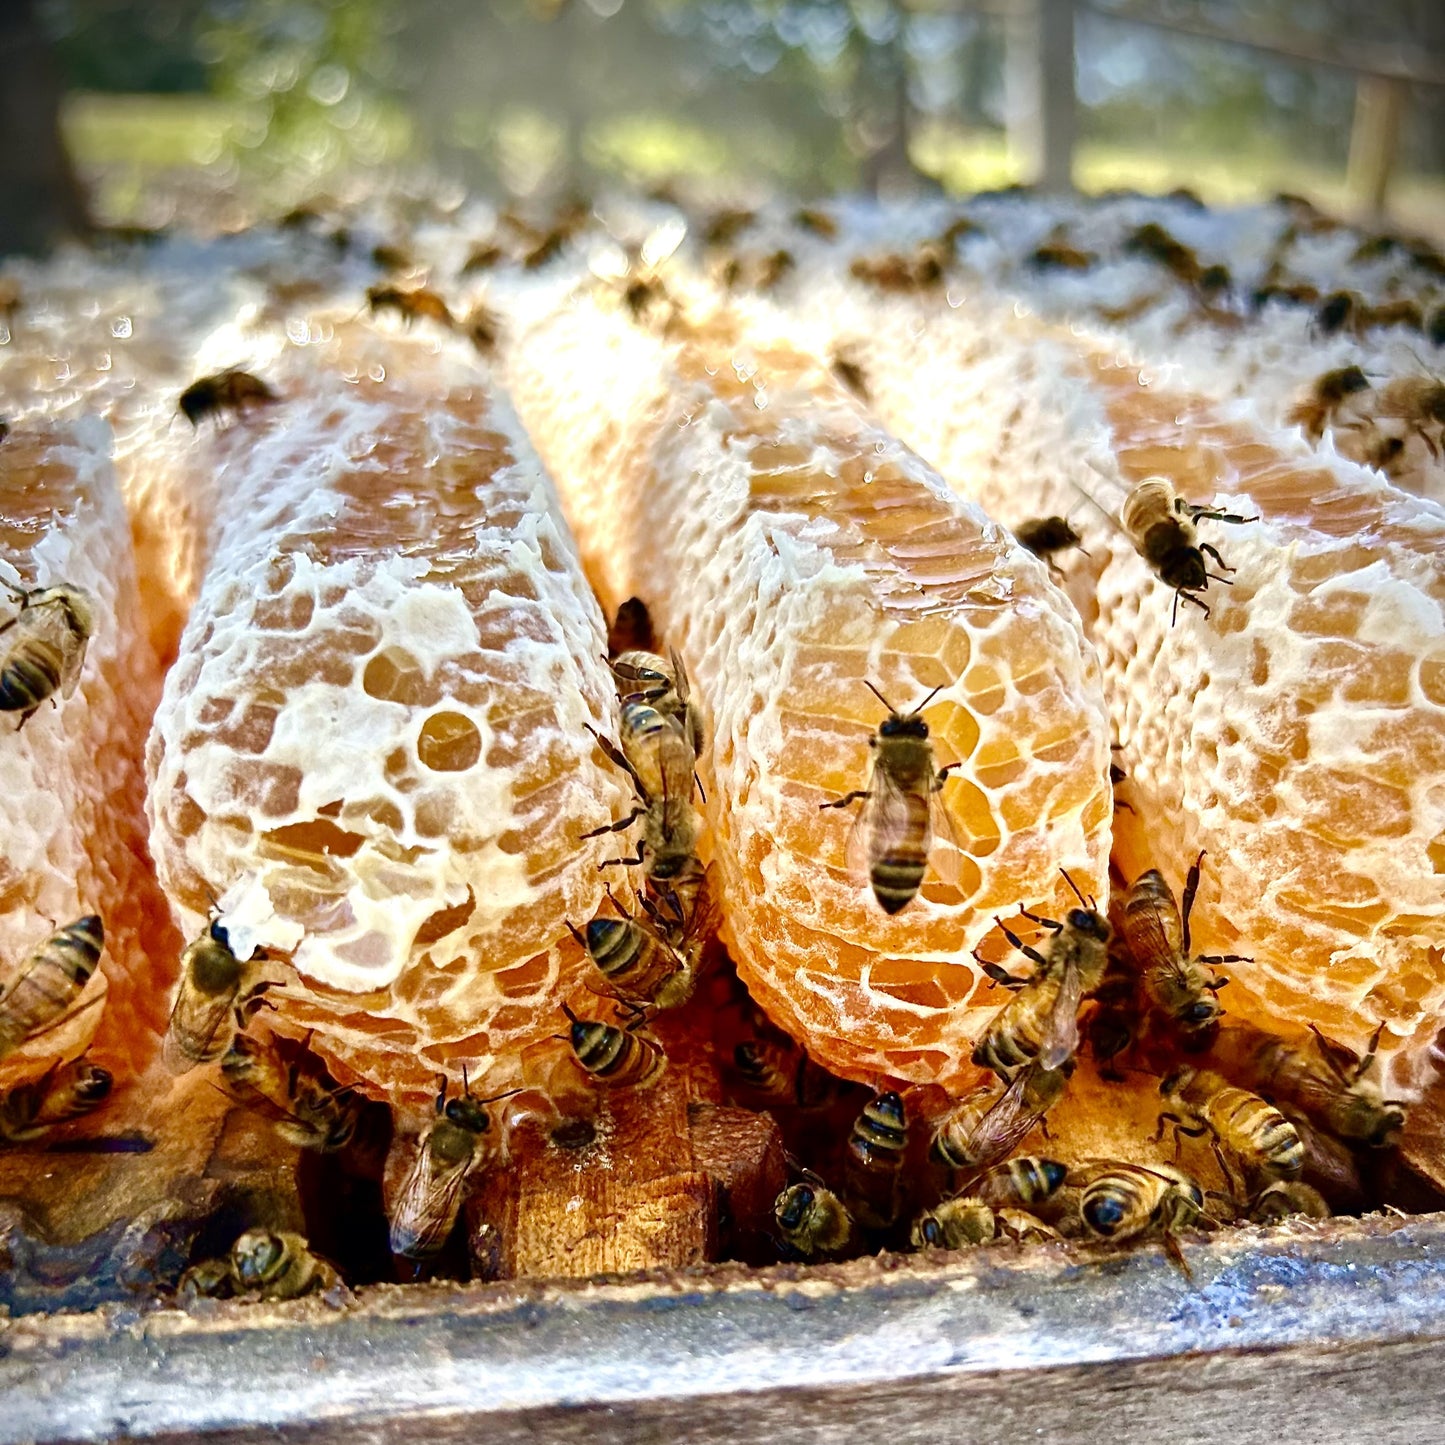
[(1182, 568), (93, 1083), (794, 1205), (466, 1113), (1347, 381), (903, 725), (930, 1232), (256, 1256), (1086, 921), (1197, 1015)]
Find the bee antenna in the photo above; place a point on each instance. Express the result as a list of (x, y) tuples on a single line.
[(466, 1083), (571, 1017), (1088, 902), (879, 696), (928, 699), (505, 1094)]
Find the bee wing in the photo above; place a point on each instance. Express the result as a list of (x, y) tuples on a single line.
[(945, 861), (193, 1030), (427, 1207), (1154, 932), (50, 623), (1061, 1031), (247, 1094), (1341, 1059), (881, 821), (1007, 1122)]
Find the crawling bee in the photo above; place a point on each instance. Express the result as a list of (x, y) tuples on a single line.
[(1022, 1183), (430, 1197), (646, 677), (208, 995), (1290, 294), (482, 327), (987, 1124), (278, 1265), (483, 257), (49, 981), (893, 834), (957, 1223), (1120, 1201), (1251, 1138), (42, 648), (1328, 394), (1338, 310), (234, 391), (876, 1147), (1160, 524), (631, 630), (1043, 536), (783, 1075), (616, 1058), (1059, 256), (1394, 313), (922, 271), (1178, 986), (812, 1219), (283, 1081), (851, 375), (1152, 242), (820, 223), (1287, 1197), (1419, 402), (410, 305), (1041, 1021), (62, 1093), (1330, 1083)]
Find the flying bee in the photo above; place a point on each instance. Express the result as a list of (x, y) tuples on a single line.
[(820, 223), (812, 1219), (418, 303), (49, 981), (1041, 1021), (1330, 1084), (616, 1058), (645, 676), (987, 1124), (42, 648), (233, 391), (1178, 985), (62, 1093), (283, 1081), (1160, 524), (431, 1195), (1419, 401), (1043, 536), (876, 1146), (1287, 1197), (278, 1265), (1328, 395), (957, 1223), (656, 754), (1120, 1201), (903, 808), (208, 995), (1251, 1138)]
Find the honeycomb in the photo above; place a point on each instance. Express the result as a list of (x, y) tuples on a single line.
[(1298, 734), (72, 786), (791, 549), (373, 747)]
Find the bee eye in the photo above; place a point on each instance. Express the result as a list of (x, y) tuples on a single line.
[(1198, 1013), (932, 1234)]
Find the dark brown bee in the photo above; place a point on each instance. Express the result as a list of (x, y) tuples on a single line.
[(1252, 1140), (1214, 279), (772, 268), (783, 1075), (876, 1147), (851, 375), (42, 648), (1059, 256), (1154, 243), (410, 305), (1160, 524), (1395, 313), (1317, 410), (616, 1058), (1041, 1021), (49, 981), (1177, 985), (1375, 248), (1044, 536), (431, 1196), (546, 250), (988, 1123), (1120, 1201), (1330, 1083), (234, 391), (482, 328), (1022, 1183), (62, 1093), (389, 257), (820, 223), (283, 1081), (724, 227), (1338, 310), (278, 1265), (1291, 295), (4, 428), (957, 1223), (1435, 326), (922, 271), (812, 1219), (631, 629), (903, 808), (483, 258), (11, 304), (1418, 401), (208, 997)]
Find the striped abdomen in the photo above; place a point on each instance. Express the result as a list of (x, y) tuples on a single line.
[(880, 1134), (1256, 1130), (616, 1057), (1022, 1182), (1016, 1035), (30, 675), (899, 862), (51, 980), (634, 962)]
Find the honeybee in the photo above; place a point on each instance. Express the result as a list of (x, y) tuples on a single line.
[(483, 258), (210, 1279), (1041, 1021), (662, 683), (1331, 1084), (482, 328), (4, 428), (876, 1146), (663, 779), (545, 250), (1338, 310), (233, 390), (617, 1058), (893, 834), (1160, 524), (283, 1081), (820, 223), (1154, 243), (772, 268), (1120, 1201), (851, 375), (1251, 1138), (812, 1219), (1287, 1197), (207, 996), (1435, 326), (410, 305), (1419, 401), (783, 1074), (957, 1223), (49, 981), (42, 648), (990, 1122), (429, 1199), (1328, 394), (279, 1265), (388, 256), (725, 226), (1043, 536), (1177, 985), (1021, 1227), (62, 1093), (631, 630), (1299, 294), (1330, 1166), (1059, 256), (921, 271), (1022, 1183), (1395, 313)]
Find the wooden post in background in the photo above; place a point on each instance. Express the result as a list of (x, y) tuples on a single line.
[(1374, 142), (1039, 86)]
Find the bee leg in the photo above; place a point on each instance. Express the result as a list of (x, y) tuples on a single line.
[(1213, 958), (1214, 552), (621, 862), (1120, 803), (1370, 1053), (621, 827), (999, 975), (1236, 1182), (616, 755), (847, 798), (1172, 1249), (1211, 514), (1047, 922), (941, 776), (1024, 948), (701, 792), (1191, 888), (1188, 597)]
